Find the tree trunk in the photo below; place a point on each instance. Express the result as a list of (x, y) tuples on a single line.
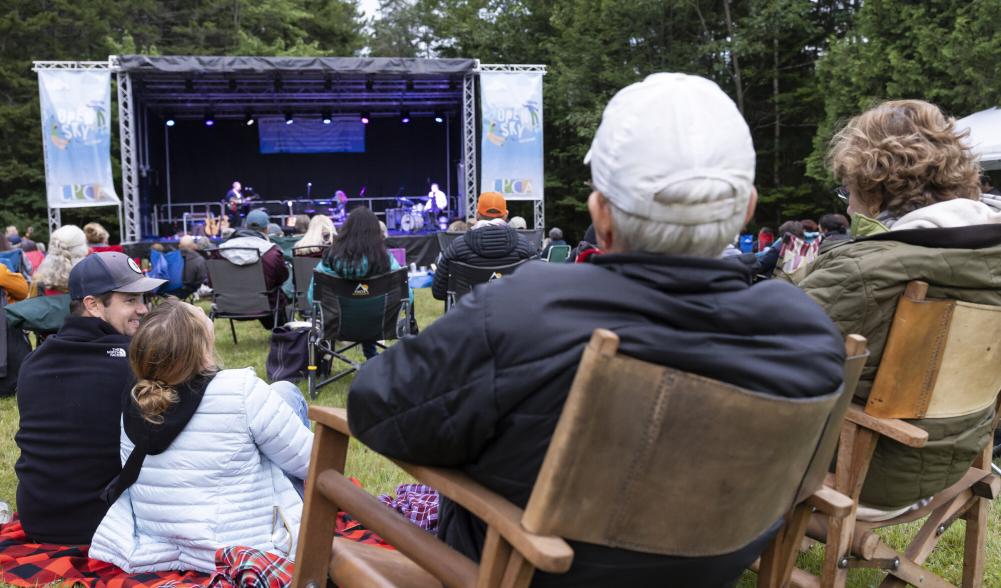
[(775, 105), (733, 57)]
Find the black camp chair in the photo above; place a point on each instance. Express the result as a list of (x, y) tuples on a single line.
[(302, 273), (239, 292), (355, 311), (462, 277)]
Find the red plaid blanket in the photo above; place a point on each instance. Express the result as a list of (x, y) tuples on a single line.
[(38, 564)]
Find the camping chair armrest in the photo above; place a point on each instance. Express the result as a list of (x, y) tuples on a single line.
[(331, 417), (896, 429), (549, 554), (418, 545), (830, 502)]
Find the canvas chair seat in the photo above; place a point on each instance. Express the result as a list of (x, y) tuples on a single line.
[(302, 274), (721, 491), (240, 292)]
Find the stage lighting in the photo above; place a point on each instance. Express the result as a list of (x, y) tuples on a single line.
[(405, 116), (439, 117), (209, 119), (170, 121), (326, 117), (364, 118), (288, 118), (249, 119)]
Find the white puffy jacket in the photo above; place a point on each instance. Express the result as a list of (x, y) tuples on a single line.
[(220, 483)]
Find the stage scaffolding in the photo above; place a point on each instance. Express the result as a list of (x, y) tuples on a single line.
[(325, 68)]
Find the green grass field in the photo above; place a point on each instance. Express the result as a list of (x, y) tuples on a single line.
[(378, 475)]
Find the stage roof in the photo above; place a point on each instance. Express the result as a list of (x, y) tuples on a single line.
[(232, 87)]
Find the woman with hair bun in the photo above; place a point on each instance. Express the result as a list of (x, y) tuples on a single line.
[(212, 458), (914, 200)]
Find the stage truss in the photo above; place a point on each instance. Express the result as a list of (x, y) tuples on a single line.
[(129, 208)]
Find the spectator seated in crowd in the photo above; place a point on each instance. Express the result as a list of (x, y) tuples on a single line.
[(358, 252), (490, 242), (13, 237), (300, 224), (833, 230), (215, 457), (69, 400), (518, 223), (914, 200), (318, 236), (97, 235), (12, 283), (458, 226), (672, 165), (555, 238), (254, 236), (67, 247), (195, 272)]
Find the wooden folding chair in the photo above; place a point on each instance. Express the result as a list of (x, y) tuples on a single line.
[(942, 359), (622, 418)]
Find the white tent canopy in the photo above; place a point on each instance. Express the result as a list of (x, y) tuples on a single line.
[(985, 136)]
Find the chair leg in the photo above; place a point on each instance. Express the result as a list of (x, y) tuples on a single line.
[(518, 572), (311, 368), (319, 515), (854, 454), (232, 328), (779, 557), (975, 548)]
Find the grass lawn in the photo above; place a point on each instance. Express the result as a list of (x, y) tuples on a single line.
[(378, 475)]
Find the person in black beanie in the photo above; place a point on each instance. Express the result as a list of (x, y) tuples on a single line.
[(69, 400)]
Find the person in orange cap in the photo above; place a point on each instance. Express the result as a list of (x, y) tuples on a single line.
[(491, 242)]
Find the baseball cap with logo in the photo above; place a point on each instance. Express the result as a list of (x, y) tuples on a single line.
[(109, 271), (491, 205), (257, 219), (675, 149)]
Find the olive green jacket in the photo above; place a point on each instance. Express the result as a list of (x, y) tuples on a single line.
[(858, 284)]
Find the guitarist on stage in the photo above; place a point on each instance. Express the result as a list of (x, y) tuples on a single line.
[(233, 201)]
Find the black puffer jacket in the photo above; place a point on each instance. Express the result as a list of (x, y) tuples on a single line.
[(491, 245), (483, 387)]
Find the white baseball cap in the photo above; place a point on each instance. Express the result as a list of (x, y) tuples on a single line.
[(673, 148)]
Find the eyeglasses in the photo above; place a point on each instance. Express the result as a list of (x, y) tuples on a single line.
[(842, 193)]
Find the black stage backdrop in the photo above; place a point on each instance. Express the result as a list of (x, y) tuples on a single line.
[(399, 159)]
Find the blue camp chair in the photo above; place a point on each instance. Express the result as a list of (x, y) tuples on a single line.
[(168, 266)]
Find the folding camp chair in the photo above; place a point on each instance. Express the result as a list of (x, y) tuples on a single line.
[(355, 311), (942, 358), (558, 253), (240, 292), (462, 277), (642, 426), (302, 274)]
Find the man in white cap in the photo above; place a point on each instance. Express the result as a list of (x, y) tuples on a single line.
[(673, 167), (70, 395)]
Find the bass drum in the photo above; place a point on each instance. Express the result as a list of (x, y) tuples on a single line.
[(412, 222)]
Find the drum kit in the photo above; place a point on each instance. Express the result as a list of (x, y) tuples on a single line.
[(409, 217)]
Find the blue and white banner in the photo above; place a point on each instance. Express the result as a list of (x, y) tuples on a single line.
[(76, 137), (511, 147)]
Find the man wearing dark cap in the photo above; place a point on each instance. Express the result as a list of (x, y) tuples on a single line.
[(491, 242), (70, 394)]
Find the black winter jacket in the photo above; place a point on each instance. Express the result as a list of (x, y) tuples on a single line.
[(491, 245), (483, 386), (69, 398)]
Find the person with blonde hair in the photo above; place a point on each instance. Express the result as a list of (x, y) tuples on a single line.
[(318, 237), (913, 194), (97, 235), (67, 247), (212, 457)]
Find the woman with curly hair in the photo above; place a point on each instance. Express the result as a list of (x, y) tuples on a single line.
[(67, 246), (916, 214)]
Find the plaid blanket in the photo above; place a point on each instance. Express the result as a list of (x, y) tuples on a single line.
[(38, 564), (417, 503)]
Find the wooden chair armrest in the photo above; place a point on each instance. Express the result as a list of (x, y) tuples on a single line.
[(830, 502), (546, 553), (429, 552), (331, 417), (896, 429)]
